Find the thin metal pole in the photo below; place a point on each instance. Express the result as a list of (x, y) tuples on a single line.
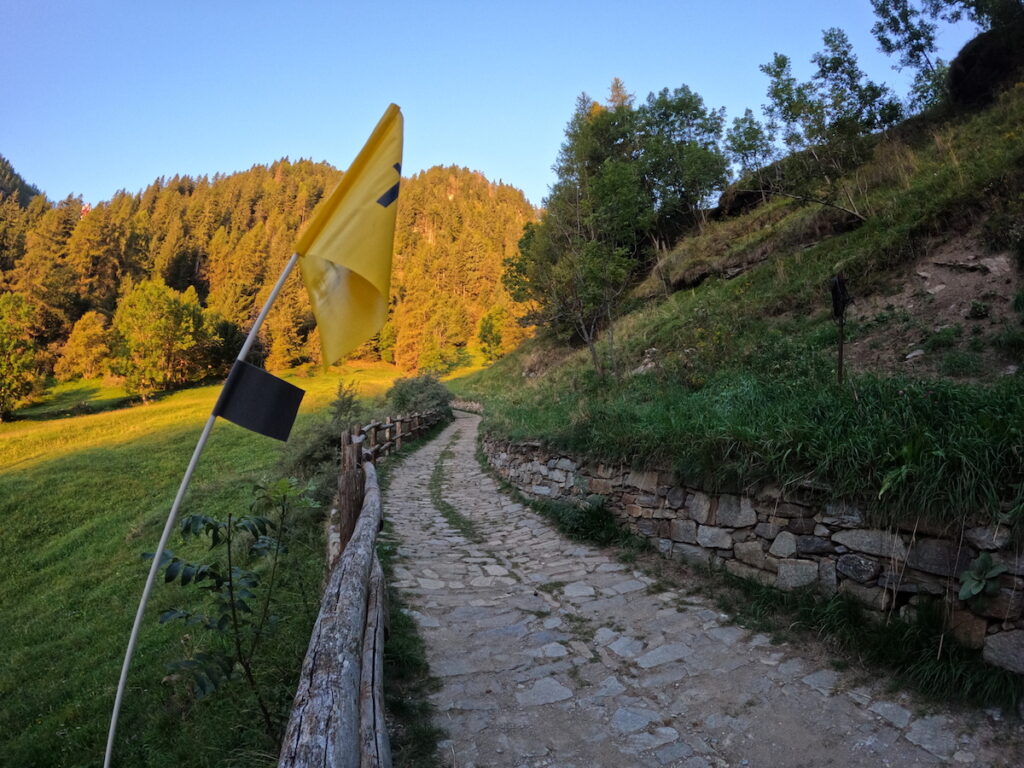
[(172, 516)]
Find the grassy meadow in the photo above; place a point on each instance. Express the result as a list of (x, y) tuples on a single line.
[(81, 498)]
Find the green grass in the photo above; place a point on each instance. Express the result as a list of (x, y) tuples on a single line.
[(910, 448), (80, 499), (455, 519), (917, 652)]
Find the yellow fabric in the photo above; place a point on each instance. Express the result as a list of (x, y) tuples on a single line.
[(346, 247)]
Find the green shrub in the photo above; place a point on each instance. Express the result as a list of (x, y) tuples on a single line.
[(419, 394)]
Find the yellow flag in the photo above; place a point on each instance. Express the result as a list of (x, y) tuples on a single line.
[(346, 247)]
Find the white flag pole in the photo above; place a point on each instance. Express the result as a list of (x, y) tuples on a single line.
[(172, 516)]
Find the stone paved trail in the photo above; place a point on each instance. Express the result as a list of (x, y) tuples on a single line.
[(555, 654)]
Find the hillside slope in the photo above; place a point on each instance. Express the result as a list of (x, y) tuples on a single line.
[(725, 367)]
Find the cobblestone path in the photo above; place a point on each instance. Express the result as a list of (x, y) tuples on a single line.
[(555, 654)]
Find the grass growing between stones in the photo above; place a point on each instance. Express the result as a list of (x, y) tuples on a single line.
[(917, 653), (407, 679), (455, 519)]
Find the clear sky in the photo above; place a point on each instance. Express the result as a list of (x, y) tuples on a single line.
[(99, 95)]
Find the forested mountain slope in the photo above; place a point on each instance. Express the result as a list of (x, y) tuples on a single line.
[(84, 288)]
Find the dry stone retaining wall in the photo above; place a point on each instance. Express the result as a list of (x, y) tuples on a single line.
[(794, 539)]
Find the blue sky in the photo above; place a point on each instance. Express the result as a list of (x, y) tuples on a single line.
[(103, 95)]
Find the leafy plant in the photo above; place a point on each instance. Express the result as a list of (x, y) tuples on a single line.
[(981, 578), (240, 599)]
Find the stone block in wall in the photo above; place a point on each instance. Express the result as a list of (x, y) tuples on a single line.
[(690, 553), (784, 545), (599, 485), (601, 471), (751, 553), (1006, 605), (698, 507), (712, 536), (735, 511), (647, 500), (644, 480), (872, 542), (788, 510), (566, 464), (813, 545), (822, 530), (684, 530), (843, 514), (827, 581), (646, 527), (664, 513), (676, 496), (860, 568), (633, 510), (664, 546), (664, 528), (794, 574), (801, 526), (988, 536), (875, 598), (912, 582), (750, 573), (1006, 650), (540, 490), (940, 557), (1014, 563), (743, 534), (557, 475), (968, 629), (767, 530)]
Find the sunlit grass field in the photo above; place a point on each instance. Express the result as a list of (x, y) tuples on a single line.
[(81, 498)]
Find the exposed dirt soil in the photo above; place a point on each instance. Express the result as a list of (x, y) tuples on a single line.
[(943, 320)]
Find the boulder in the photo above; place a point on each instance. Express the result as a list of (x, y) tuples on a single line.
[(986, 64)]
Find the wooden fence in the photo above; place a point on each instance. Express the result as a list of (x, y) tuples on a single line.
[(337, 717)]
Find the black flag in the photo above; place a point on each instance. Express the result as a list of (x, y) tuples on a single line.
[(257, 400)]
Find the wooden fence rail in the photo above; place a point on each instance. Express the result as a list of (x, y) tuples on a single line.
[(337, 717)]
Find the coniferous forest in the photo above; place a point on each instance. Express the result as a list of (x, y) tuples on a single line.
[(158, 288)]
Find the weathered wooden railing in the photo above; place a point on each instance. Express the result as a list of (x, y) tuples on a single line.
[(337, 717)]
